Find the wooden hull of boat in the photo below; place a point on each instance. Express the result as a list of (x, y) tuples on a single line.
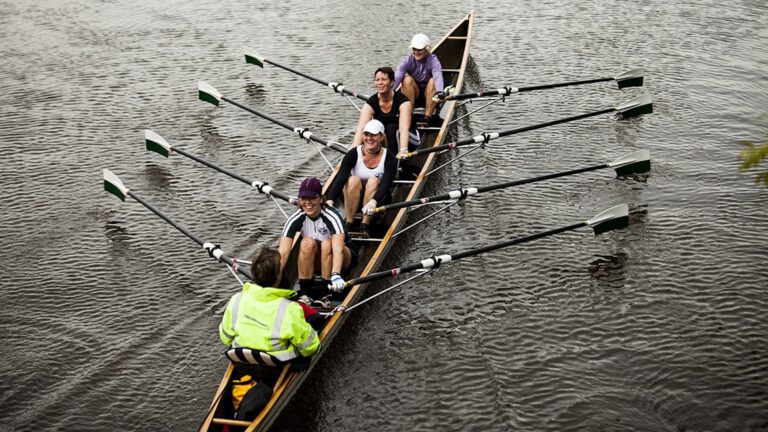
[(453, 52)]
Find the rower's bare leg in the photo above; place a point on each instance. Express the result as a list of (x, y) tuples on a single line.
[(352, 198), (370, 190), (410, 89), (429, 93), (326, 259), (307, 258)]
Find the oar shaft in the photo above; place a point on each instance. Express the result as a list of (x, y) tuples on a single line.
[(322, 141), (467, 192), (189, 234), (236, 176), (565, 84), (506, 91), (540, 178), (517, 241), (151, 208), (396, 271), (509, 132), (556, 122), (317, 80)]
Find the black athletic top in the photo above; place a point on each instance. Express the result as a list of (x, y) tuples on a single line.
[(391, 117), (349, 161)]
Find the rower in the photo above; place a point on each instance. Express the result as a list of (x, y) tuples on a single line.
[(421, 76), (365, 176), (263, 329), (393, 109), (325, 245)]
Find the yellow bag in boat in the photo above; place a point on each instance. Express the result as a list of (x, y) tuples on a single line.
[(240, 387)]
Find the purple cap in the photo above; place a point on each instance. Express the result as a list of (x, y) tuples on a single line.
[(310, 188)]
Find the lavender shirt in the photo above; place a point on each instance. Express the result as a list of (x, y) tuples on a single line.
[(421, 72)]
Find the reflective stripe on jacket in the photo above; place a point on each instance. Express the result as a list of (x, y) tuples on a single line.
[(264, 319)]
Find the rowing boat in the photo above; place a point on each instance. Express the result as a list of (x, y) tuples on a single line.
[(453, 52)]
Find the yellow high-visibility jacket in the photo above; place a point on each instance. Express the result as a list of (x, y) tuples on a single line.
[(266, 320)]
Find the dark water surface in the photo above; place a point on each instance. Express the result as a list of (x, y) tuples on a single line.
[(109, 316)]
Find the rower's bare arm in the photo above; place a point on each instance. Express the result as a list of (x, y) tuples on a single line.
[(366, 115), (405, 125), (337, 244), (285, 251)]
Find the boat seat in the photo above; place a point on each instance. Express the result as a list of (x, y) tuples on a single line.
[(252, 356)]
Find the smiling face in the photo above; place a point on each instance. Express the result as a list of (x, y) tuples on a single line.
[(382, 82), (419, 54), (311, 206), (373, 142)]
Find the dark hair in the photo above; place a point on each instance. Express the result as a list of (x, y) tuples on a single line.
[(386, 70), (265, 266)]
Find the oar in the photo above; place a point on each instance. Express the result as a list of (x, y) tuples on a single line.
[(207, 93), (642, 104), (113, 185), (632, 163), (159, 145), (253, 57), (632, 78), (613, 218)]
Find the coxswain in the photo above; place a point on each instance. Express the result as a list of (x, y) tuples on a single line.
[(421, 76)]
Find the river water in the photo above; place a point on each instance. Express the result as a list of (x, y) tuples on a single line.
[(109, 315)]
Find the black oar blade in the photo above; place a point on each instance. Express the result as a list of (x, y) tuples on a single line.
[(640, 105), (206, 93), (634, 163), (633, 78), (616, 217), (252, 57), (156, 143), (113, 185)]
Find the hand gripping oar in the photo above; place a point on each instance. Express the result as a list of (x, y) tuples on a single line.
[(207, 93), (113, 185), (613, 218), (632, 78), (253, 57), (642, 104), (632, 163), (159, 145)]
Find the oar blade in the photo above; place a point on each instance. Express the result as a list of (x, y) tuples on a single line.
[(616, 217), (207, 93), (252, 57), (113, 185), (639, 105), (156, 143), (633, 163), (632, 78)]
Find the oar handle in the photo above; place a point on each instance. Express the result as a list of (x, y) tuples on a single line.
[(485, 137), (337, 87), (213, 250)]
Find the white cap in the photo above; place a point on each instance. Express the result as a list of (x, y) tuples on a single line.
[(419, 41), (374, 126)]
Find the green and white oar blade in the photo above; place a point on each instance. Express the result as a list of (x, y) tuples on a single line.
[(616, 217), (253, 57), (632, 163), (207, 93), (156, 143), (632, 78), (639, 105), (113, 185)]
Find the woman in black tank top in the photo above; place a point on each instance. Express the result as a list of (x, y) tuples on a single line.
[(389, 107)]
